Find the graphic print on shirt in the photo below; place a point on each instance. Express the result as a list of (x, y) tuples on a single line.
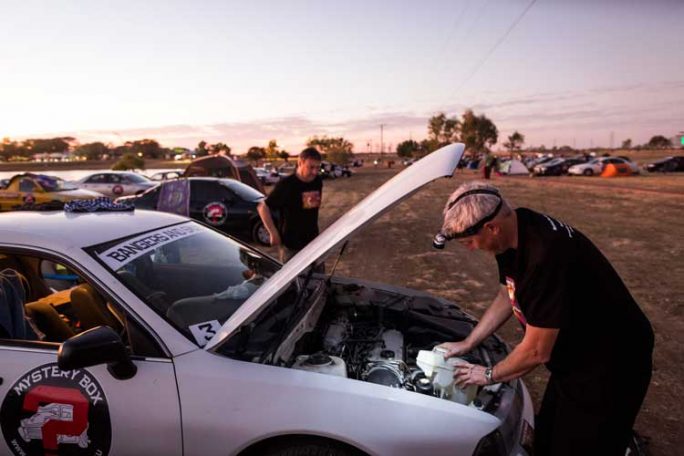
[(510, 286), (311, 200)]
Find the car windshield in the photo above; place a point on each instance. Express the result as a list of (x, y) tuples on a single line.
[(194, 277)]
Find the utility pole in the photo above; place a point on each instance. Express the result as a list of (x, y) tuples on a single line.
[(382, 140), (612, 138)]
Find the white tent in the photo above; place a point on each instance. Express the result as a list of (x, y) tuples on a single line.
[(513, 167)]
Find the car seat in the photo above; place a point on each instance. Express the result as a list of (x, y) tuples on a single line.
[(47, 319), (91, 309)]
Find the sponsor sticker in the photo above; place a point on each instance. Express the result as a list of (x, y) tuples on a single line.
[(29, 199), (127, 251), (203, 332), (117, 189), (49, 411), (215, 213)]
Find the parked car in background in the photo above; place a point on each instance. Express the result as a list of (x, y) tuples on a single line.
[(268, 176), (166, 175), (595, 166), (181, 341), (556, 167), (667, 165), (116, 183), (226, 204), (37, 191)]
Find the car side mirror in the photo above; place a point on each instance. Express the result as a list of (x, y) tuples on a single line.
[(95, 346)]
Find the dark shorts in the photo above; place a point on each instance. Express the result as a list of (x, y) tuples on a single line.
[(585, 416)]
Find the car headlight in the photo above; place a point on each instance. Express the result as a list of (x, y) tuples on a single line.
[(491, 445)]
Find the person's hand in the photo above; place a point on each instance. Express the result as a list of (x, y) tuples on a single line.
[(275, 239), (466, 374), (454, 348)]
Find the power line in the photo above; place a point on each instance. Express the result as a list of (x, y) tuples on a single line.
[(496, 45)]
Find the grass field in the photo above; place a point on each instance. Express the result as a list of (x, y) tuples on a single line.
[(637, 222)]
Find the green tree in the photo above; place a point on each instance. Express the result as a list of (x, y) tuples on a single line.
[(443, 130), (201, 149), (220, 148), (12, 149), (515, 142), (256, 154), (284, 155), (92, 151), (408, 148), (627, 144), (337, 149), (272, 150), (129, 161), (659, 142), (146, 148), (478, 132)]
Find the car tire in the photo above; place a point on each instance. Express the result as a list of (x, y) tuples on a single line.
[(260, 234), (588, 172), (307, 447)]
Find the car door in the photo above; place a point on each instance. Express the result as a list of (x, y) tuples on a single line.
[(46, 410), (216, 205), (96, 182)]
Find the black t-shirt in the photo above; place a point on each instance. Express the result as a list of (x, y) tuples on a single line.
[(297, 203), (557, 278)]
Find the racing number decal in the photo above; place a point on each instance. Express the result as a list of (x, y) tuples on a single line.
[(49, 411), (117, 189), (29, 199), (203, 332)]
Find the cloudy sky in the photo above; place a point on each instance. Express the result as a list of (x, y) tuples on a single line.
[(575, 72)]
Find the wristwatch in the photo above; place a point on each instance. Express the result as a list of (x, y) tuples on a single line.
[(488, 375)]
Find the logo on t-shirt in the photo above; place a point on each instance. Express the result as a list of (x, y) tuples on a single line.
[(311, 200), (517, 311)]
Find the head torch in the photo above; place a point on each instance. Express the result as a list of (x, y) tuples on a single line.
[(440, 238)]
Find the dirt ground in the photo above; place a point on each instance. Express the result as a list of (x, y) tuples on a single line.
[(637, 222)]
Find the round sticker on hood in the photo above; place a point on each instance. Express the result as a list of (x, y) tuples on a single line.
[(215, 213), (51, 411)]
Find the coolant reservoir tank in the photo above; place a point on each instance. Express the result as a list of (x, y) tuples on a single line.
[(321, 363), (441, 372)]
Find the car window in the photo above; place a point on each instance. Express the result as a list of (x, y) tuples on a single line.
[(96, 179), (27, 185), (37, 311), (204, 191), (245, 192), (187, 273), (148, 200), (114, 179)]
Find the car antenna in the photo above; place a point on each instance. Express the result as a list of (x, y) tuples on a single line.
[(337, 261)]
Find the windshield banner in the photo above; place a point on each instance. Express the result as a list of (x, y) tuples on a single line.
[(123, 253)]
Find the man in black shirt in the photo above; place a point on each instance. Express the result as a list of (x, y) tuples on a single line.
[(578, 316), (297, 198)]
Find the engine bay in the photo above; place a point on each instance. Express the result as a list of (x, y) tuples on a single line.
[(360, 332)]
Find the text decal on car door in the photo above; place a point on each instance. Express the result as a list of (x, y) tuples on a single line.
[(51, 411)]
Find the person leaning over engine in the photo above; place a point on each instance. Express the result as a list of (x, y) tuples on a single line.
[(578, 316)]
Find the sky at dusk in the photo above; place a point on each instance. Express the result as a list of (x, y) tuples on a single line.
[(562, 72)]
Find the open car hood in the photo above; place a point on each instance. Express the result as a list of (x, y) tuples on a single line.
[(440, 163)]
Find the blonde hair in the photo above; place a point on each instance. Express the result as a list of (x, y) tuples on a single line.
[(472, 208)]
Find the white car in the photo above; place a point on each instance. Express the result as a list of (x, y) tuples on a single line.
[(179, 340), (595, 166), (116, 183), (267, 177)]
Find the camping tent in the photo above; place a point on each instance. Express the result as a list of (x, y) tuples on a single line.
[(616, 169), (224, 166), (513, 167)]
